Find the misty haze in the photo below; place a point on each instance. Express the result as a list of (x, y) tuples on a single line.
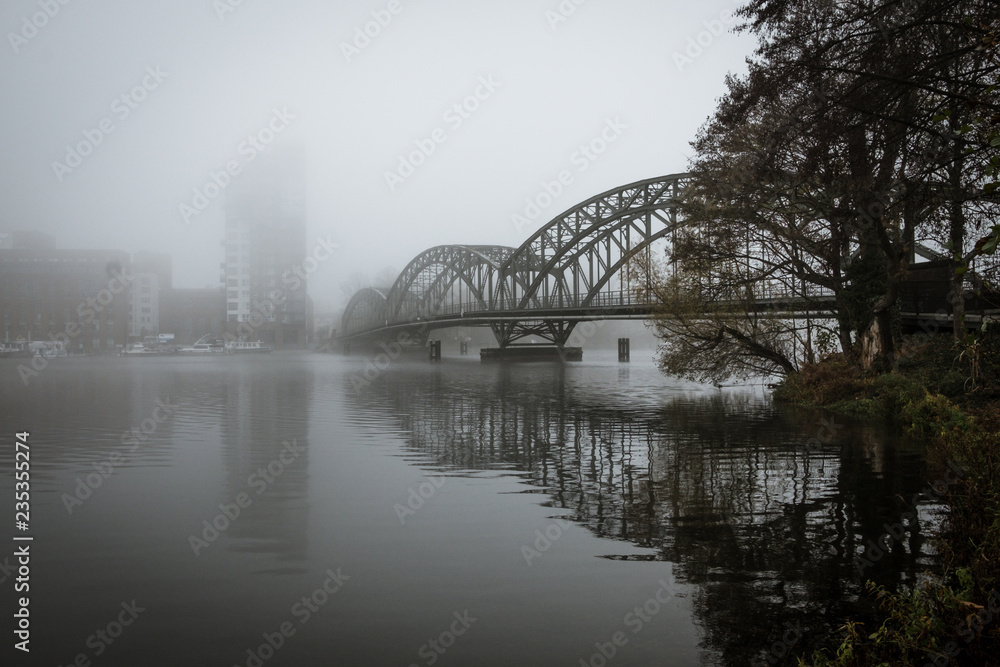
[(542, 332)]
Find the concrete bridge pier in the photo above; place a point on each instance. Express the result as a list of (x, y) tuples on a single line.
[(531, 353)]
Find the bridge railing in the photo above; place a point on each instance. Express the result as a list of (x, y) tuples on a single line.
[(608, 299), (764, 293), (779, 290)]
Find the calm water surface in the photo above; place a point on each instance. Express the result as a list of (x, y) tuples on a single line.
[(461, 514)]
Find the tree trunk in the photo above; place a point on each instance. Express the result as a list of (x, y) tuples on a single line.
[(956, 295), (844, 326)]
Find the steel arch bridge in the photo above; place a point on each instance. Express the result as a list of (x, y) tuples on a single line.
[(567, 272)]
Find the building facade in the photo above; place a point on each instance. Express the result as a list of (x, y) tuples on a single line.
[(152, 276), (189, 314), (79, 297), (144, 308), (265, 244)]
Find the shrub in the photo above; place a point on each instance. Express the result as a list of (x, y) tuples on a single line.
[(950, 619), (934, 416)]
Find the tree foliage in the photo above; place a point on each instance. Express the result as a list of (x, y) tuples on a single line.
[(861, 130)]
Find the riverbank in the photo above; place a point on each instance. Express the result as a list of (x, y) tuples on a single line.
[(947, 394)]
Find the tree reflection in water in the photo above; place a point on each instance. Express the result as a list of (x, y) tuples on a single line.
[(723, 484)]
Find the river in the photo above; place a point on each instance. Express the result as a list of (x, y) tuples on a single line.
[(310, 509)]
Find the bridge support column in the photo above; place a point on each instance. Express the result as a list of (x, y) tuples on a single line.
[(531, 353), (624, 352), (435, 350), (510, 334)]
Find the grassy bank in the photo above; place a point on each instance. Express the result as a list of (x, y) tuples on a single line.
[(947, 394)]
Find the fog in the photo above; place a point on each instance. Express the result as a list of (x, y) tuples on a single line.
[(163, 95)]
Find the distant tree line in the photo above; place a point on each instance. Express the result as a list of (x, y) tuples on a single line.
[(861, 130)]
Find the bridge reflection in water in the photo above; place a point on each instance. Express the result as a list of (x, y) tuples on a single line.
[(762, 517)]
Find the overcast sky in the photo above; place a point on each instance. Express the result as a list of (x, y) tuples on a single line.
[(183, 85)]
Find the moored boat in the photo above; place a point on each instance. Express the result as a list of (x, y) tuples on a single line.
[(47, 348), (204, 346), (142, 350), (16, 349), (246, 347)]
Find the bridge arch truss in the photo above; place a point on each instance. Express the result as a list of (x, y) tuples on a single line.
[(568, 271)]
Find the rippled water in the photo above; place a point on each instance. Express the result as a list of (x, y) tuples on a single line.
[(458, 513)]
